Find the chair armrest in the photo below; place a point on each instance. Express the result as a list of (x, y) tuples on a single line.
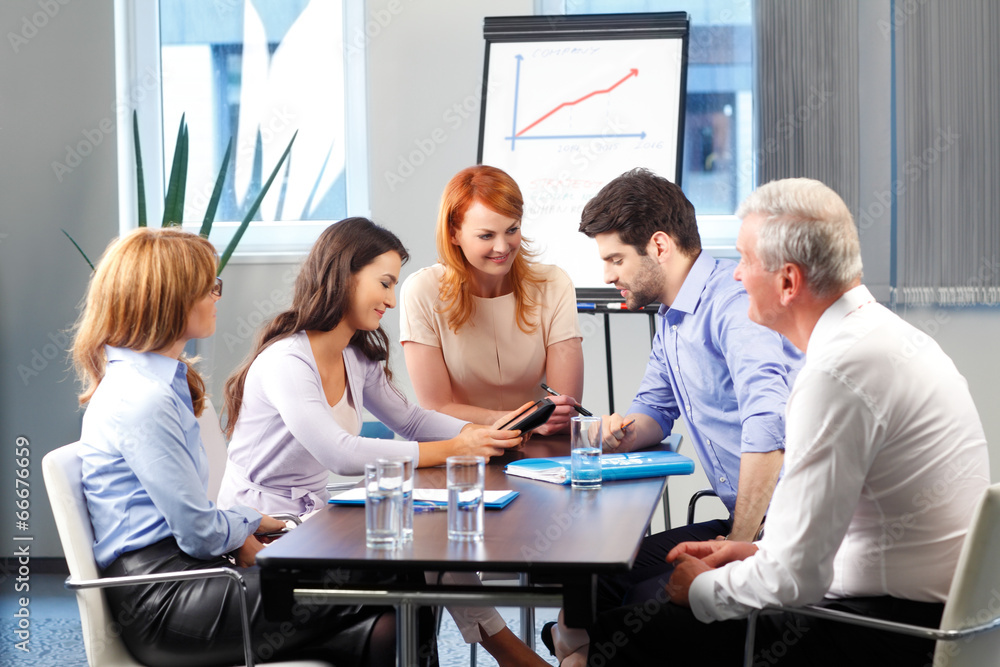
[(695, 497), (207, 573), (863, 621)]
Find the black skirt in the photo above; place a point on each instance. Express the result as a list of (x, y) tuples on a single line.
[(197, 623)]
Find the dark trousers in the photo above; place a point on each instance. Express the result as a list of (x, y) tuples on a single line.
[(658, 632), (197, 623), (651, 571)]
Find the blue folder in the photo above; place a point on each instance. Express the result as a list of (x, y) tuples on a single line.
[(492, 500), (613, 466)]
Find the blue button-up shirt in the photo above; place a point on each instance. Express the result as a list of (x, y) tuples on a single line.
[(729, 376), (145, 472)]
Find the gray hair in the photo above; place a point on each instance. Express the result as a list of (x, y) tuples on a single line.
[(807, 224)]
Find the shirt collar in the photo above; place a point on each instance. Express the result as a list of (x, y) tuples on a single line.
[(164, 368), (830, 320), (694, 284)]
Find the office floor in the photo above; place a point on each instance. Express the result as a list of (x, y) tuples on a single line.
[(56, 639)]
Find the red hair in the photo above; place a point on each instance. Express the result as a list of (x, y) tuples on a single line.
[(497, 191)]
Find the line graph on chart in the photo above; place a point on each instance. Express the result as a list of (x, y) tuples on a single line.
[(522, 134), (586, 114)]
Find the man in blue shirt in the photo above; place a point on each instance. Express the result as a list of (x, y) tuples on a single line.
[(728, 376)]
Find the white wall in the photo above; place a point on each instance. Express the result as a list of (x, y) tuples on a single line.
[(427, 59), (57, 79)]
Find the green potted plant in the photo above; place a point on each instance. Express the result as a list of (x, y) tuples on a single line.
[(173, 201)]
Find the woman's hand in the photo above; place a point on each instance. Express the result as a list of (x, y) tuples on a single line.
[(246, 555), (268, 526), (558, 422), (481, 440)]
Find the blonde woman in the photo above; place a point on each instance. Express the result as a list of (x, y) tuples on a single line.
[(486, 325), (145, 472)]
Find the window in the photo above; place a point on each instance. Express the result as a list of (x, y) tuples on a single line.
[(718, 123), (254, 73)]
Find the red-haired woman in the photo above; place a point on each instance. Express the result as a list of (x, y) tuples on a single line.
[(485, 326)]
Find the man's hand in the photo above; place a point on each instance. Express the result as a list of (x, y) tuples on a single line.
[(715, 553), (615, 435), (692, 558), (686, 568)]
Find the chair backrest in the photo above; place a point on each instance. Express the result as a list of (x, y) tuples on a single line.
[(214, 441), (975, 591), (61, 471)]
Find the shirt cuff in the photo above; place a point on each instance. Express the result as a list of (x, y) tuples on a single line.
[(666, 423), (763, 434), (250, 515), (700, 597)]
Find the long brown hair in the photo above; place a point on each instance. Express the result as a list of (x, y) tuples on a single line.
[(497, 191), (140, 297), (322, 296)]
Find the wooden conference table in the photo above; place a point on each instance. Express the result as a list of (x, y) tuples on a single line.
[(550, 534)]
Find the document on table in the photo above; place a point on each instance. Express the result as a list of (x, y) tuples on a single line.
[(633, 465)]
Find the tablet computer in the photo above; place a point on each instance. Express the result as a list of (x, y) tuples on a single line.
[(531, 417)]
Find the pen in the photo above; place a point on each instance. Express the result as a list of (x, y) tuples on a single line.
[(616, 306), (425, 506), (582, 411), (625, 426), (580, 305)]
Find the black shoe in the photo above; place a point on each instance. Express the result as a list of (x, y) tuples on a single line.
[(547, 637)]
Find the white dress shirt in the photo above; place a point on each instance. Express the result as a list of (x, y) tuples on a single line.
[(885, 461)]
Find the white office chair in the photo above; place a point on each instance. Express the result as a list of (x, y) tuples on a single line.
[(63, 477), (971, 614)]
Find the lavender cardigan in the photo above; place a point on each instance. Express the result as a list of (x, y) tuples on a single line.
[(286, 440)]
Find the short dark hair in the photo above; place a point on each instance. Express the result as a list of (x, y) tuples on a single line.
[(638, 204)]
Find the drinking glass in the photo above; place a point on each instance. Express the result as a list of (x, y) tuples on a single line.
[(383, 504), (407, 490), (466, 478), (585, 449)]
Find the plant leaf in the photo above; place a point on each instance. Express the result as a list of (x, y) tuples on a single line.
[(253, 209), (255, 171), (170, 201), (213, 203), (178, 216), (139, 182), (280, 207), (73, 241), (304, 215)]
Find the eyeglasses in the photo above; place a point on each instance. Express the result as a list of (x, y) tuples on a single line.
[(217, 287)]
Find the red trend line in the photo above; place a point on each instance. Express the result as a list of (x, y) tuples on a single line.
[(632, 72)]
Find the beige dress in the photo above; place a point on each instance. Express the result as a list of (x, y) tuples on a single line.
[(492, 363)]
